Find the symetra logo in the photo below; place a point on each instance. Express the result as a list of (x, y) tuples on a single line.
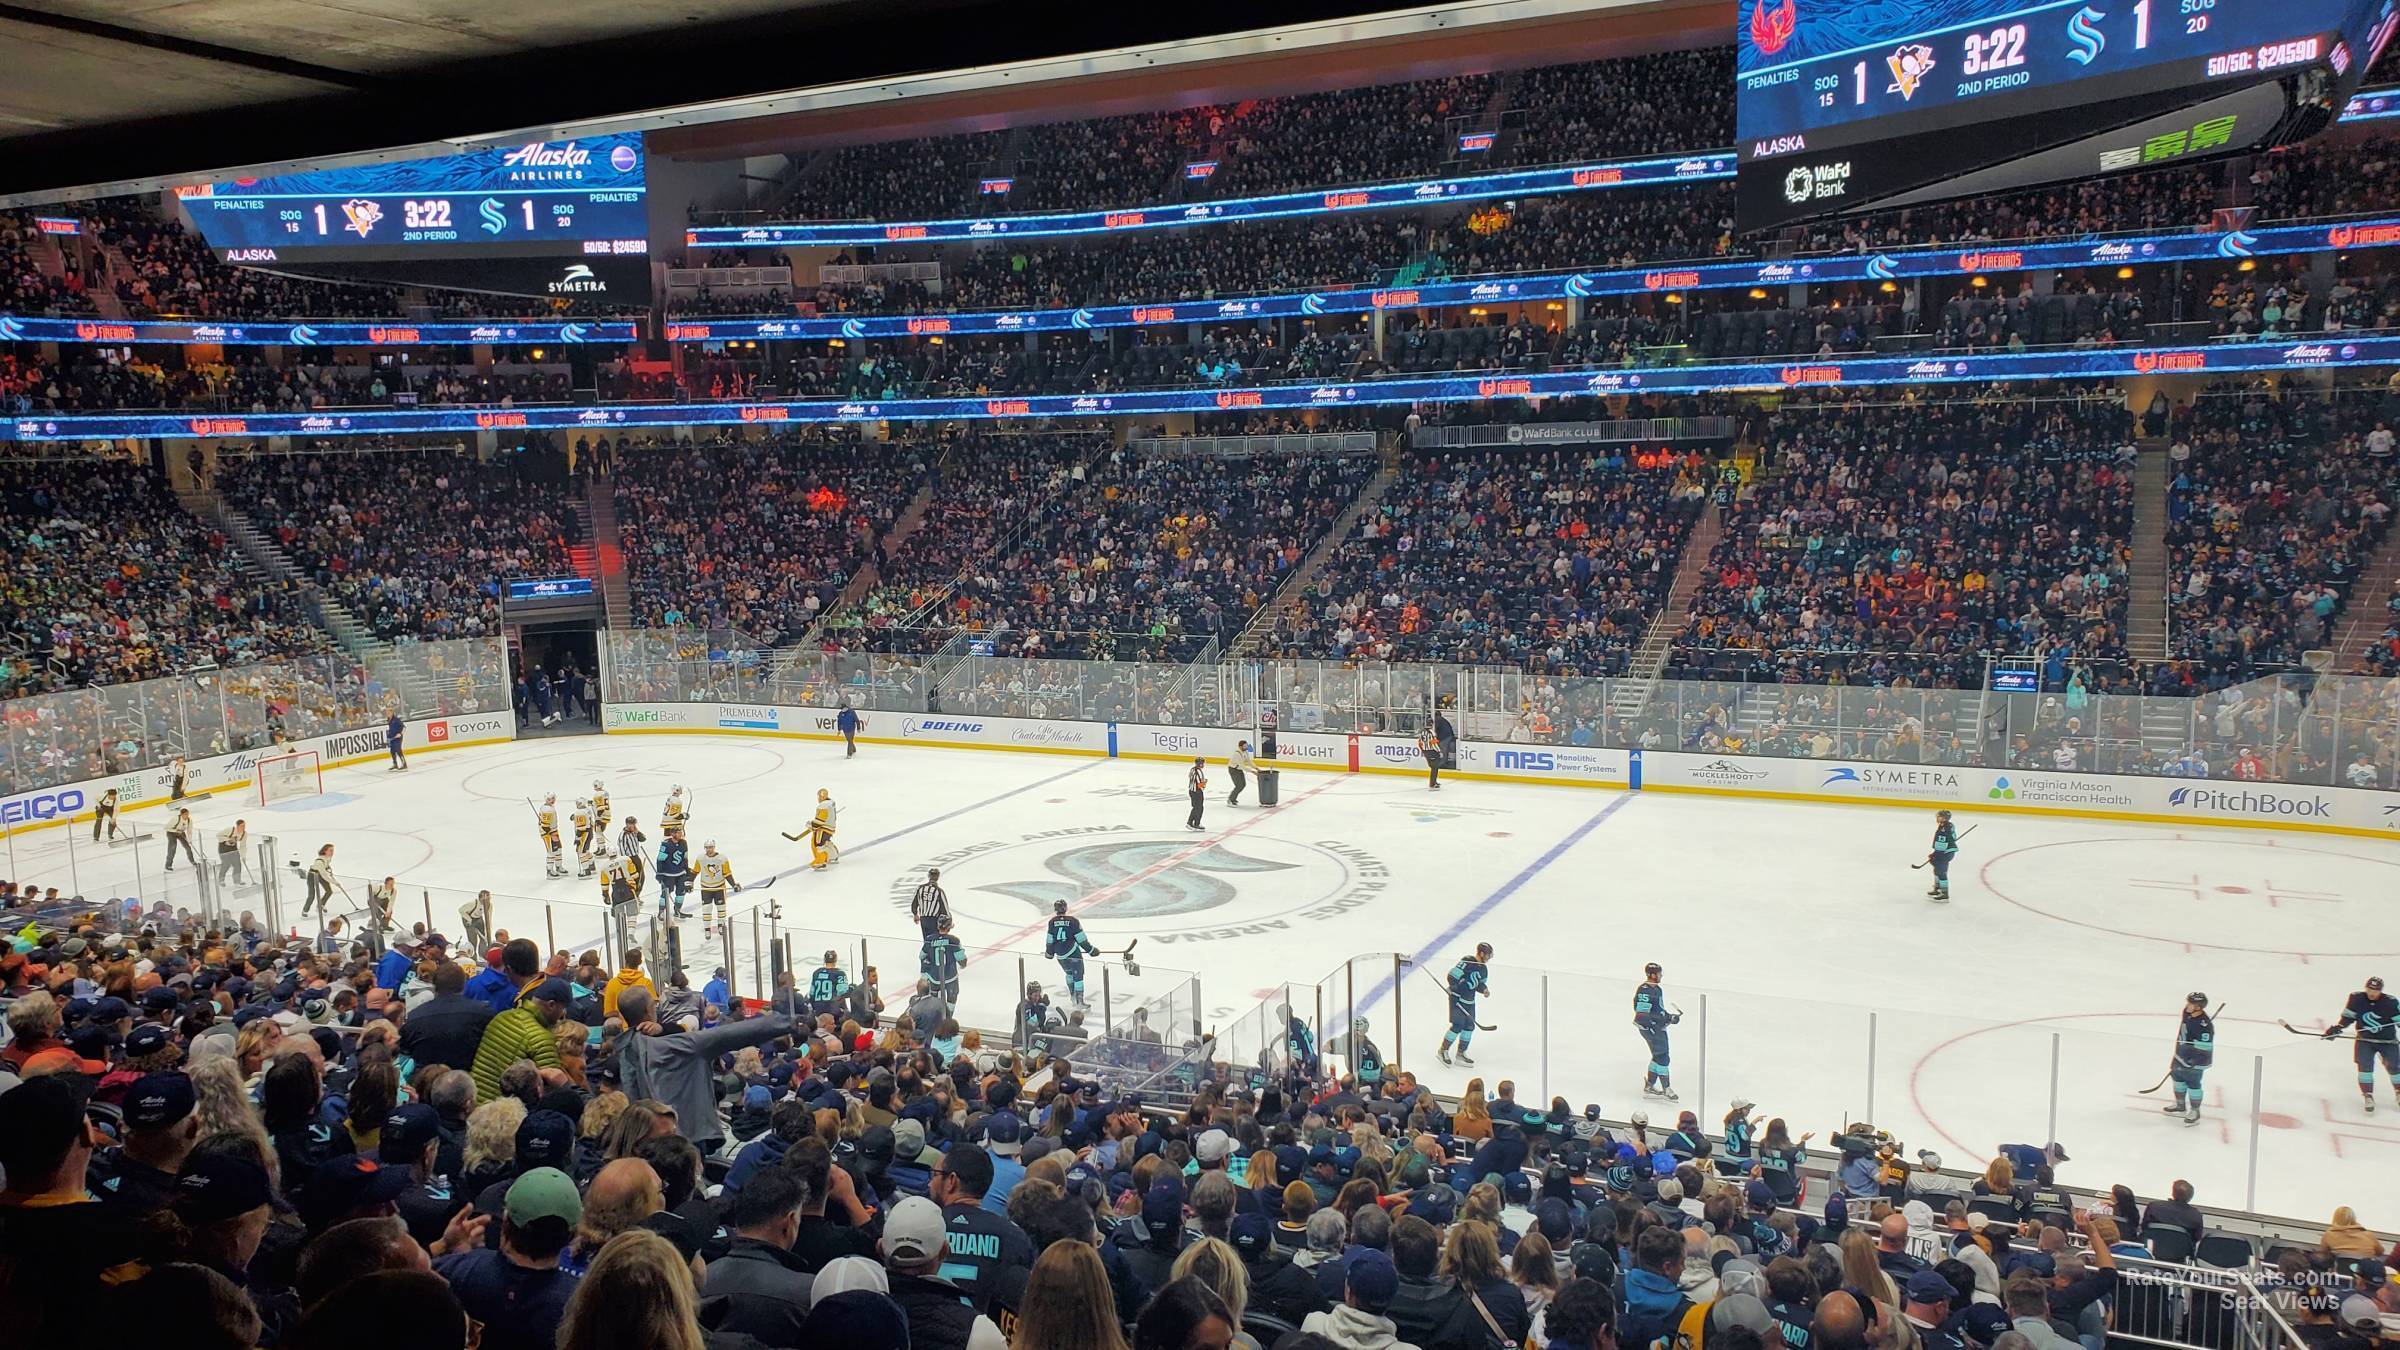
[(578, 280), (1907, 782), (41, 806), (2251, 802)]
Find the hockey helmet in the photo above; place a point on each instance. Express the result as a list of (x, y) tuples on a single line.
[(942, 923), (1033, 987), (1654, 968), (2196, 997), (596, 786), (709, 847), (1483, 949), (550, 800), (583, 803), (823, 793), (2375, 982), (1058, 906), (832, 957)]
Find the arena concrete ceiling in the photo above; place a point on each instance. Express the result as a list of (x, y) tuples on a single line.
[(115, 95)]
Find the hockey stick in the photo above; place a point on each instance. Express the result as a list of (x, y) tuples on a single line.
[(2170, 1073), (1920, 866), (2318, 1035), (1479, 1026)]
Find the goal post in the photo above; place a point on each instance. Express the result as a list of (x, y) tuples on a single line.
[(284, 778)]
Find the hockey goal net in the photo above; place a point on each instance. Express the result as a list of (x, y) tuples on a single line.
[(289, 777)]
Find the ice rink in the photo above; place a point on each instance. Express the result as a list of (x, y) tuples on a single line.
[(1815, 975)]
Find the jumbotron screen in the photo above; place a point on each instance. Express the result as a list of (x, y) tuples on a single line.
[(1850, 105)]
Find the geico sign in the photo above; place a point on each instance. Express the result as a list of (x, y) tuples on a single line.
[(41, 806)]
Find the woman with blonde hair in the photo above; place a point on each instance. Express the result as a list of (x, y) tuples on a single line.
[(1370, 1143), (225, 1108), (253, 1044), (1860, 1270), (1260, 1177), (2344, 1236), (1216, 1264), (1471, 1260), (1067, 1303), (491, 1147), (1474, 1119), (636, 1295)]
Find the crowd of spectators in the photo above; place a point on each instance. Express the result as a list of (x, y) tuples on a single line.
[(759, 536), (1906, 540), (110, 580), (894, 180), (415, 543), (257, 1142), (1150, 556), (174, 273), (101, 378), (24, 287), (1550, 560), (2276, 502)]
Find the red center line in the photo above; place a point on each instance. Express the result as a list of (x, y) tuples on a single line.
[(1172, 860)]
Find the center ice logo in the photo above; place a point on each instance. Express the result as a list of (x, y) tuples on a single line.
[(1120, 871)]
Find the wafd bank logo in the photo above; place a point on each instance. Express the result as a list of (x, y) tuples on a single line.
[(1161, 886), (2251, 802)]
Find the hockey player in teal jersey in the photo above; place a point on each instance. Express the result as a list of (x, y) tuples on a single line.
[(1651, 1017), (940, 961), (828, 986), (1469, 980), (2195, 1050), (1945, 848), (1066, 943)]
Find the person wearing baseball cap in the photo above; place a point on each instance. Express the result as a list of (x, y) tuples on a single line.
[(1369, 1284), (138, 1177), (352, 1186), (517, 1290), (523, 1032), (410, 1139), (915, 1241)]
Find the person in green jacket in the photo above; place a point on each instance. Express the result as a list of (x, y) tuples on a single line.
[(522, 1032)]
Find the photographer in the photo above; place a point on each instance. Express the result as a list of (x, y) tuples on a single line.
[(1864, 1149)]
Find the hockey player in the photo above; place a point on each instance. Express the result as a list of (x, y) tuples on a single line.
[(1430, 746), (1033, 1021), (1366, 1058), (715, 874), (828, 986), (545, 819), (674, 874), (587, 842), (930, 905), (940, 962), (672, 815), (1300, 1042), (821, 849), (2195, 1050), (2376, 1014), (599, 807), (620, 880), (1651, 1018), (1945, 847), (1469, 980), (1066, 943)]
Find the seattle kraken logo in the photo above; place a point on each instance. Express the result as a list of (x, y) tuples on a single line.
[(495, 216), (2089, 41), (1122, 872)]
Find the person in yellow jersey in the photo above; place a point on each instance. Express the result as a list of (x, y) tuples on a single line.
[(675, 813), (586, 839), (545, 819), (822, 850), (599, 807), (715, 875)]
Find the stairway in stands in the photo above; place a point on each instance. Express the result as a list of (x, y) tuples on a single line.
[(602, 556), (2146, 599), (1629, 695), (1296, 588), (2367, 612), (868, 576)]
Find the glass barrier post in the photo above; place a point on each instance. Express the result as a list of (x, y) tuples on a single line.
[(2258, 1089), (758, 948), (1871, 1066), (1108, 1015), (1545, 1035), (1702, 1103), (550, 926), (1399, 996), (2053, 1089)]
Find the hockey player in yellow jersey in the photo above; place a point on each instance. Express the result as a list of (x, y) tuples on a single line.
[(821, 849), (673, 815), (599, 807), (545, 819), (620, 877), (714, 873), (586, 839)]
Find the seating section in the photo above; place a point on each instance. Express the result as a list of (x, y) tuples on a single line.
[(1552, 560), (1888, 541), (2270, 520), (24, 287), (109, 580), (415, 543), (757, 536)]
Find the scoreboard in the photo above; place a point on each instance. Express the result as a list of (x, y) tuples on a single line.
[(584, 197), (1851, 105)]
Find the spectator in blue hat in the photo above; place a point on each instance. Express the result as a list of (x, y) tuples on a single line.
[(223, 1203), (138, 1176)]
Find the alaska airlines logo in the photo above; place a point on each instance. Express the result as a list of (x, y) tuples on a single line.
[(1771, 29), (2089, 41), (541, 155), (1122, 873)]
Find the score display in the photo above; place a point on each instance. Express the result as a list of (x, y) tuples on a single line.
[(1844, 105), (547, 198)]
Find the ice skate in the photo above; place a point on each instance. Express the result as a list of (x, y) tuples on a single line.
[(1463, 1059), (1444, 1052)]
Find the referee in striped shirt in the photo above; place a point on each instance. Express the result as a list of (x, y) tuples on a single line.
[(930, 906)]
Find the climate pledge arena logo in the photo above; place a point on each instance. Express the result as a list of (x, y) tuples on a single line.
[(1160, 886)]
